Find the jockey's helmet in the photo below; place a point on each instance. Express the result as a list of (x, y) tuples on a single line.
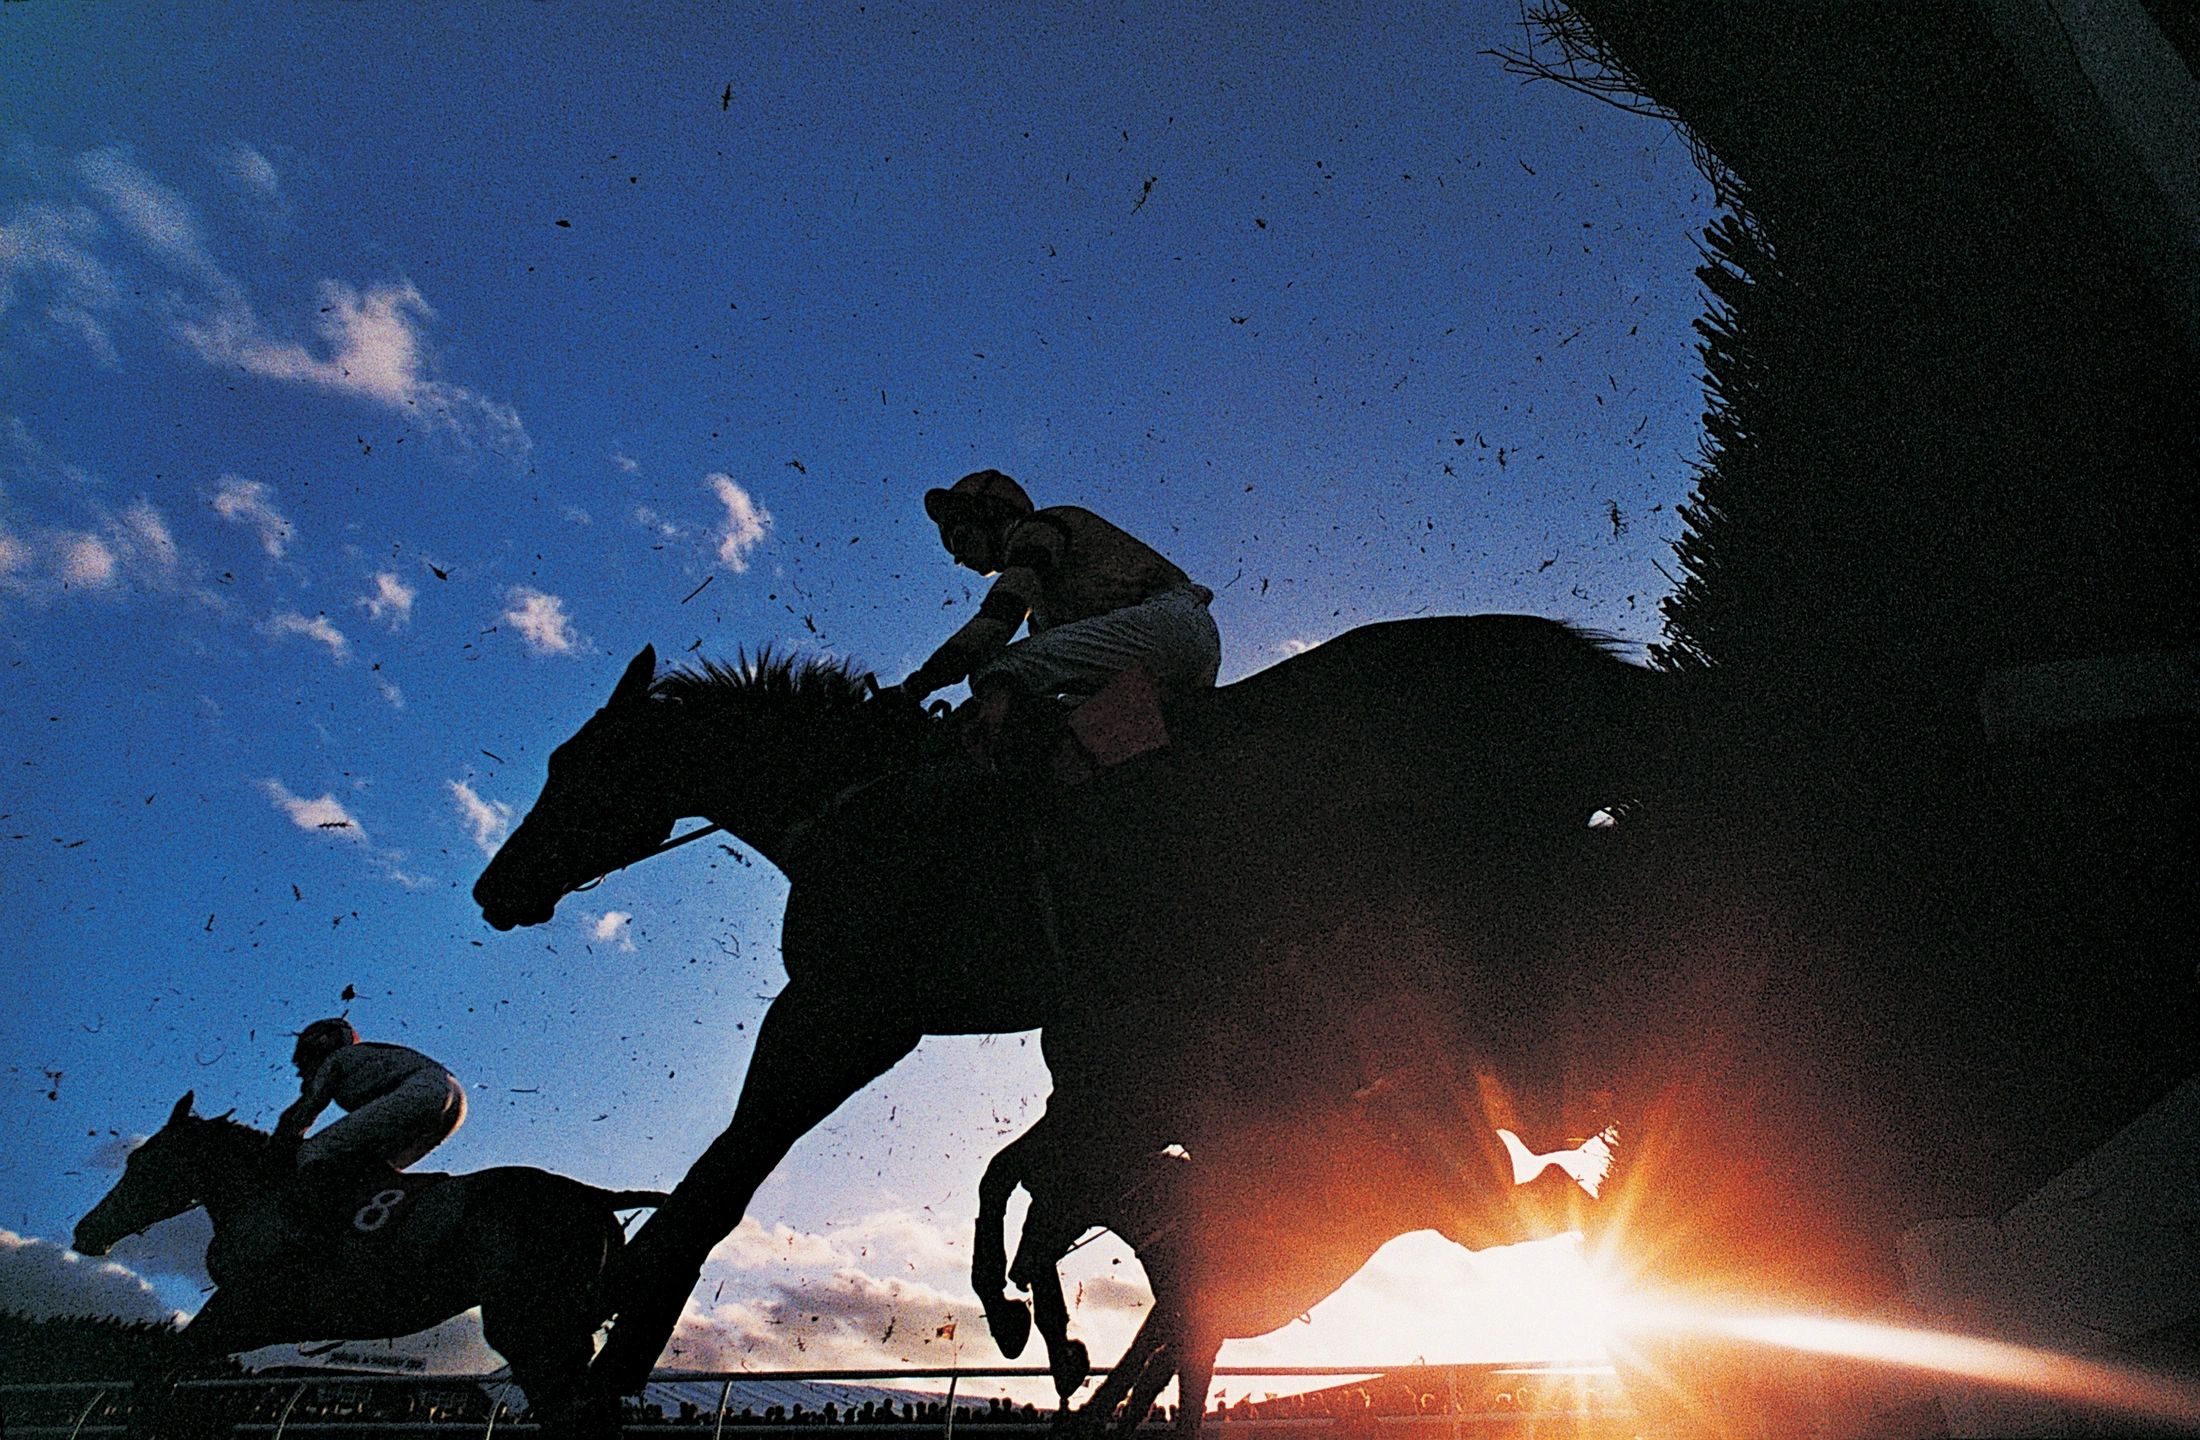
[(984, 495), (320, 1040)]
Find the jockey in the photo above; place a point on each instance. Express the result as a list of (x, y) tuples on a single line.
[(400, 1106), (1098, 601)]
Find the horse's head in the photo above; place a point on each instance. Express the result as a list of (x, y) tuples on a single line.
[(604, 805), (159, 1179)]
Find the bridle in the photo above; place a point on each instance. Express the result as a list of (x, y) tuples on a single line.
[(796, 825)]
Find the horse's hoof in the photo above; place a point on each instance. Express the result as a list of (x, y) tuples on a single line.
[(1010, 1322), (1072, 1368)]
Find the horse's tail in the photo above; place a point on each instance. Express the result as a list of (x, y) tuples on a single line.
[(631, 1199)]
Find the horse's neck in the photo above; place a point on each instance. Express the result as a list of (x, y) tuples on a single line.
[(234, 1174), (769, 801)]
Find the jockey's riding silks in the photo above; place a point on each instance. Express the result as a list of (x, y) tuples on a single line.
[(1098, 599), (400, 1105)]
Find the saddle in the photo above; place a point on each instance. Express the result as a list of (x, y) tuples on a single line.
[(1065, 745), (360, 1205)]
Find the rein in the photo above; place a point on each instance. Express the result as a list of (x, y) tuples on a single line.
[(673, 844)]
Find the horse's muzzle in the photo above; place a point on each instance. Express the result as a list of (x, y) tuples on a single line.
[(512, 917)]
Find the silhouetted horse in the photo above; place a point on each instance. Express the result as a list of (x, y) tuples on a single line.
[(1384, 812), (529, 1247), (1259, 1220)]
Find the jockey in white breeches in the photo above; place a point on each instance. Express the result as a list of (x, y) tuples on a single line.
[(399, 1104)]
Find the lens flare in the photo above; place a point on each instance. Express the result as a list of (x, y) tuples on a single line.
[(2094, 1383)]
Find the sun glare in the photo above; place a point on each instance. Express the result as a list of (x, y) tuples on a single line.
[(2077, 1379)]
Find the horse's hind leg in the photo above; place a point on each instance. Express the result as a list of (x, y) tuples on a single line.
[(1195, 1371), (549, 1357)]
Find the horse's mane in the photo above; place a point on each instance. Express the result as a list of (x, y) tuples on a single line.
[(766, 682), (221, 1130)]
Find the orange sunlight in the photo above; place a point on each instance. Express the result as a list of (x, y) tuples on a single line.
[(2089, 1382)]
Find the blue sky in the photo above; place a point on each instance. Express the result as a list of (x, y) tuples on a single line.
[(375, 380)]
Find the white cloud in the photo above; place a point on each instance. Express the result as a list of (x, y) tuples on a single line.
[(625, 462), (392, 600), (325, 816), (649, 519), (1293, 645), (84, 260), (81, 546), (746, 522), (848, 1320), (542, 620), (252, 502), (159, 218), (575, 515), (613, 928), (85, 561), (47, 250), (42, 1280), (391, 694), (316, 627), (249, 168), (489, 820)]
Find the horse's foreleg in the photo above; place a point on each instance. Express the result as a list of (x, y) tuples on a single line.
[(813, 1051), (1008, 1318), (1068, 1359), (224, 1326)]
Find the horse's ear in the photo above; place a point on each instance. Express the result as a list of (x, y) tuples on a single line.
[(633, 686), (183, 1108)]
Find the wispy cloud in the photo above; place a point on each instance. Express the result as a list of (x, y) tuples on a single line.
[(252, 170), (318, 628), (614, 928), (489, 821), (391, 603), (85, 258), (873, 1292), (325, 816), (96, 552), (649, 519), (746, 521), (541, 620), (625, 462), (252, 503)]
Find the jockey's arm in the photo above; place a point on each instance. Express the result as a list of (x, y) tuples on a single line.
[(295, 1119), (982, 637)]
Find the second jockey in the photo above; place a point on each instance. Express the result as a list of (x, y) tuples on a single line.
[(399, 1105)]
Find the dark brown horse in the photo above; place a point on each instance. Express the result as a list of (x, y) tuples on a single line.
[(1383, 815), (529, 1247), (1270, 1210)]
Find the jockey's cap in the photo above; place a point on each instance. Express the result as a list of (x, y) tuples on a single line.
[(323, 1036), (982, 493)]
